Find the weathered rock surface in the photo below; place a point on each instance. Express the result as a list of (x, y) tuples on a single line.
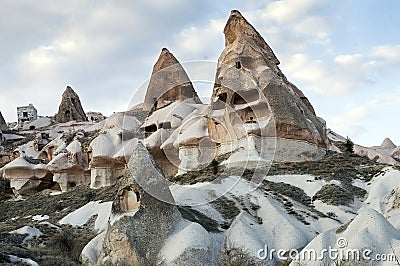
[(143, 214), (70, 108), (111, 149), (3, 124), (396, 153), (26, 178), (169, 82), (252, 96), (388, 144), (68, 167)]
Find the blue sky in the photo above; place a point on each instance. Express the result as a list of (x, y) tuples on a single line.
[(344, 55)]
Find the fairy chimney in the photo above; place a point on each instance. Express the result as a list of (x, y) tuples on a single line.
[(70, 108)]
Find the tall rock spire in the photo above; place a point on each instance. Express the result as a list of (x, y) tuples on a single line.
[(238, 27), (169, 82), (70, 108)]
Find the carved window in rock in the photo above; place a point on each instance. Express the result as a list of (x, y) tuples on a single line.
[(67, 115), (129, 199), (238, 65), (248, 116), (237, 99), (165, 125), (71, 184), (221, 101), (150, 129)]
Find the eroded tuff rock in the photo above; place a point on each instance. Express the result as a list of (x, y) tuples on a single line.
[(388, 144), (25, 177), (143, 214), (169, 82), (70, 108), (68, 167), (3, 124), (250, 89)]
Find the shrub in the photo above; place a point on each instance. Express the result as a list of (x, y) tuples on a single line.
[(235, 256), (349, 146)]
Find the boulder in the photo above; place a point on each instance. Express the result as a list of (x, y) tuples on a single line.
[(143, 214), (70, 108)]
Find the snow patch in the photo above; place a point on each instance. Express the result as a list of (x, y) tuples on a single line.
[(81, 216), (31, 231)]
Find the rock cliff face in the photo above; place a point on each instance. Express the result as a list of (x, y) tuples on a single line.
[(70, 108), (143, 214), (169, 82), (250, 88)]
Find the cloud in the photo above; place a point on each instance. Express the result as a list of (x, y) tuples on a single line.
[(387, 54)]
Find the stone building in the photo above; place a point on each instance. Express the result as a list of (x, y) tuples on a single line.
[(95, 116), (26, 114)]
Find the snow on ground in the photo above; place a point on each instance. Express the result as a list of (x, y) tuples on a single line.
[(81, 216), (341, 213), (278, 228), (40, 217), (187, 235), (23, 261), (92, 250), (368, 230), (38, 123), (50, 225), (305, 182), (74, 147), (96, 126), (28, 230), (173, 113), (28, 150), (120, 121), (384, 195)]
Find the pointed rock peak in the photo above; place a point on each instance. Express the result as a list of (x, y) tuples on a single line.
[(388, 144), (2, 121), (166, 59), (3, 124), (70, 108), (169, 83), (237, 27)]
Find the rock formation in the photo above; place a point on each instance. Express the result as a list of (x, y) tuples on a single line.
[(110, 151), (68, 167), (169, 82), (3, 124), (70, 108), (27, 178), (143, 214), (388, 144), (251, 93)]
